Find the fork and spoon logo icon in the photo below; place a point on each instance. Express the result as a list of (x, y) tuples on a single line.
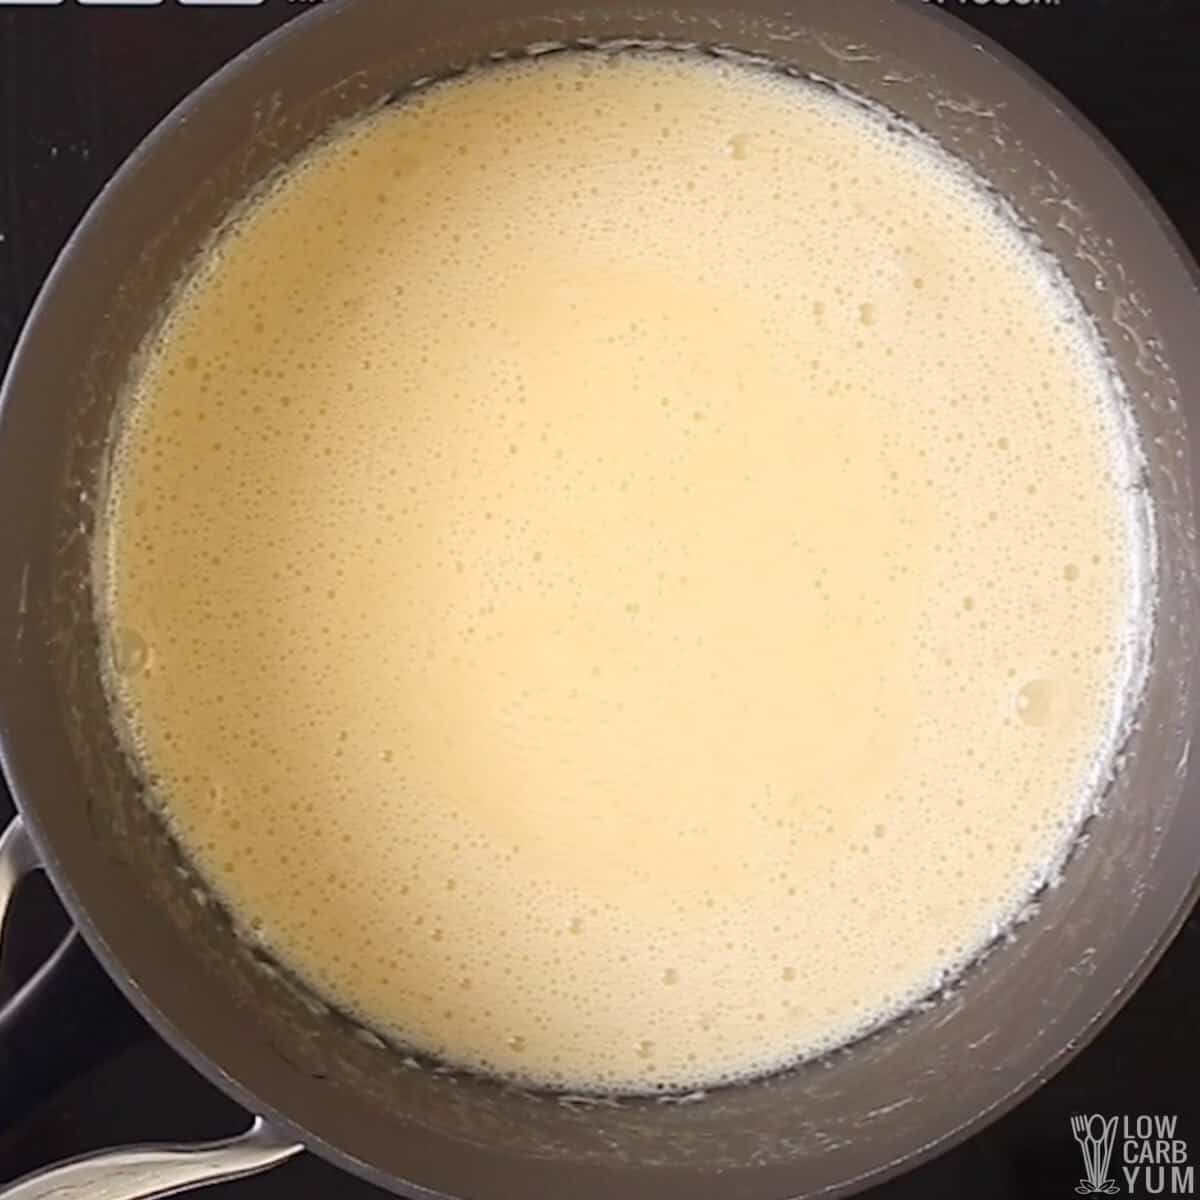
[(1096, 1136)]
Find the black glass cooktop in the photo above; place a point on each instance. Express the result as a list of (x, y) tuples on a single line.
[(79, 86)]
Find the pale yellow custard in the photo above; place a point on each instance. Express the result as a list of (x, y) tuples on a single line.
[(622, 570)]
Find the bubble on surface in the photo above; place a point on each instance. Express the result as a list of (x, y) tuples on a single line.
[(1035, 702)]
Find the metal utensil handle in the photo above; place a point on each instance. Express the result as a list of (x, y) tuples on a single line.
[(145, 1172), (130, 1172)]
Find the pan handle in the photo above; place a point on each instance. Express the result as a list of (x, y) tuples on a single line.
[(48, 1036), (129, 1172), (146, 1172), (17, 859)]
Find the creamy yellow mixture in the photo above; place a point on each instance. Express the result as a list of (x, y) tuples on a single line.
[(619, 570)]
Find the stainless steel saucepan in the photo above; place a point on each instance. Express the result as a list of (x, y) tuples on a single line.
[(313, 1080)]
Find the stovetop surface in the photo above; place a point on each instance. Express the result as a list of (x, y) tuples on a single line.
[(79, 87)]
